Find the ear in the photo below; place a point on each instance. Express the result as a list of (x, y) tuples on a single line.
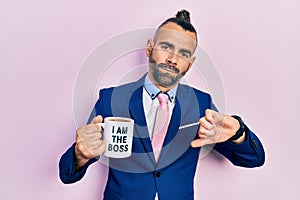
[(192, 60), (149, 47)]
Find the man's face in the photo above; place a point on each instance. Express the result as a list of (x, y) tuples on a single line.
[(170, 55)]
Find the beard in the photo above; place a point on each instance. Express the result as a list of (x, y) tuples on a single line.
[(164, 78)]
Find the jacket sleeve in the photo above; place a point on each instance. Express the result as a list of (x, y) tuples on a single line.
[(67, 173), (250, 153)]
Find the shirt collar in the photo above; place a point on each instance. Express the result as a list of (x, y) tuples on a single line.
[(153, 91)]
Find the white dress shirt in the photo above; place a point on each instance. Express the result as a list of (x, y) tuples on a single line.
[(151, 103)]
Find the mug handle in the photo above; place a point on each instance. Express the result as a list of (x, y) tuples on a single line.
[(101, 125)]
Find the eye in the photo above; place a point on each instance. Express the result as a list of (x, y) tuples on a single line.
[(184, 55), (164, 46)]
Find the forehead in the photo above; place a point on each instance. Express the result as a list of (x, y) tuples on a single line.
[(177, 36)]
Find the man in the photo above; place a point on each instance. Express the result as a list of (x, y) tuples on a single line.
[(170, 173)]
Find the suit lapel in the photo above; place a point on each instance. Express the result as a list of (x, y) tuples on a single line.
[(177, 141), (136, 110), (171, 132), (174, 123)]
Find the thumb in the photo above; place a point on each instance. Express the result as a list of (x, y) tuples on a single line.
[(198, 143), (97, 119)]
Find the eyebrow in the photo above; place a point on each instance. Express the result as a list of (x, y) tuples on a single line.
[(172, 46), (186, 51)]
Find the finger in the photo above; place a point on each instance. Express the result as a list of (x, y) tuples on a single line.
[(206, 124), (99, 148), (206, 135), (98, 144), (206, 132), (90, 147), (92, 136), (209, 115), (198, 143), (218, 117), (97, 119), (201, 136), (89, 129), (82, 150), (202, 131)]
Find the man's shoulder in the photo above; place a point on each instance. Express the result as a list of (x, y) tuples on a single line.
[(189, 97), (124, 89), (189, 89)]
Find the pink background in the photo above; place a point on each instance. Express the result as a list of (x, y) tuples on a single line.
[(255, 46)]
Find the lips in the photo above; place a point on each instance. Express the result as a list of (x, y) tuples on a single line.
[(168, 68)]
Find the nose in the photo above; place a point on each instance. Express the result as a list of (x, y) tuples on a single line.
[(172, 59)]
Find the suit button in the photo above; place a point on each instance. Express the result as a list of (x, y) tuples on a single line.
[(68, 172), (157, 174)]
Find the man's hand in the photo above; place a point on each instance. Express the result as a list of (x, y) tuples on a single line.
[(216, 127), (88, 142)]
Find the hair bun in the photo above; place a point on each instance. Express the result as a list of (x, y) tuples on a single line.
[(184, 14)]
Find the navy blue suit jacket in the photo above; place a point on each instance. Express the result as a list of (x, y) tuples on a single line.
[(140, 176)]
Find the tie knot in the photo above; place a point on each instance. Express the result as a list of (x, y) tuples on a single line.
[(163, 98)]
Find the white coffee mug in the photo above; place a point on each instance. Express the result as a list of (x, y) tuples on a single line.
[(117, 135)]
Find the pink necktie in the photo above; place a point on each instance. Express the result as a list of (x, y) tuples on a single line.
[(160, 125)]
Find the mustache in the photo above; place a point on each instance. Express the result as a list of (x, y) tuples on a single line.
[(165, 66)]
